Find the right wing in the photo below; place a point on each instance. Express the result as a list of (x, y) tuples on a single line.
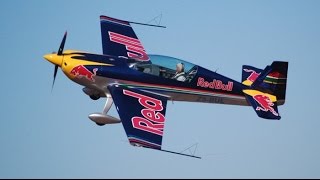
[(142, 115), (119, 39)]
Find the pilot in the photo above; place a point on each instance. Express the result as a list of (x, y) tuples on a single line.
[(180, 74)]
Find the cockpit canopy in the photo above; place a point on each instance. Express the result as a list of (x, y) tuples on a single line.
[(166, 67)]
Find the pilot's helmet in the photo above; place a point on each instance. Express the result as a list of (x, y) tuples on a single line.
[(180, 66)]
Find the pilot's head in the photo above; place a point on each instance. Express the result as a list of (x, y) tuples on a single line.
[(180, 67)]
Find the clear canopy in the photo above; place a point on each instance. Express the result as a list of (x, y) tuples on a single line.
[(167, 67)]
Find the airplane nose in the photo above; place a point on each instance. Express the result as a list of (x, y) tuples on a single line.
[(54, 59)]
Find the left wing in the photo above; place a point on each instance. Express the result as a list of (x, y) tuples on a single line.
[(119, 39), (142, 115)]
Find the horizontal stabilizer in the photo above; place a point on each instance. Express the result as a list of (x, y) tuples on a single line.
[(264, 104)]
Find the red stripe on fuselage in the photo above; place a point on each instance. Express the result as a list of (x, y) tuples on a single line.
[(178, 88)]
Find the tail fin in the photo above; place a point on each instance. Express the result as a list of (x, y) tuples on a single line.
[(266, 88), (273, 79)]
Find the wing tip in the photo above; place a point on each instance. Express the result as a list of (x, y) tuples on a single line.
[(114, 20)]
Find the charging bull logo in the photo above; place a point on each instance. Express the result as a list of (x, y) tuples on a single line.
[(265, 104), (253, 76), (81, 71)]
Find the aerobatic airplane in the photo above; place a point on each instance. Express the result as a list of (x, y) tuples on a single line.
[(140, 84)]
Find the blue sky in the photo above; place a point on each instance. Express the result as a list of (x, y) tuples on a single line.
[(48, 135)]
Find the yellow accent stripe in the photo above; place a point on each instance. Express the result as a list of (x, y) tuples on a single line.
[(247, 82), (84, 62), (252, 92)]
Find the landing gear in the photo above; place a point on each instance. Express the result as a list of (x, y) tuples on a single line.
[(102, 119), (94, 97), (93, 94), (99, 124)]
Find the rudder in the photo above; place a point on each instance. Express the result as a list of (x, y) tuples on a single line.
[(272, 80), (266, 88)]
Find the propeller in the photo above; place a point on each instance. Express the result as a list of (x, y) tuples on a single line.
[(60, 53), (54, 75)]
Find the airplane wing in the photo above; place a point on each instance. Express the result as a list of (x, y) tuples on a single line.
[(142, 115), (119, 39)]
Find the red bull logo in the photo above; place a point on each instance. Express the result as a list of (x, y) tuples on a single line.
[(81, 71), (253, 76), (265, 104)]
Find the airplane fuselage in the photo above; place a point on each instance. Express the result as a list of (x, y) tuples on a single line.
[(97, 72)]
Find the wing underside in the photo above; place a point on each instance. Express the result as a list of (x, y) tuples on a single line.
[(142, 115)]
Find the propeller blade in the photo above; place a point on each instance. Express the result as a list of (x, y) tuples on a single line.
[(54, 75), (60, 51)]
